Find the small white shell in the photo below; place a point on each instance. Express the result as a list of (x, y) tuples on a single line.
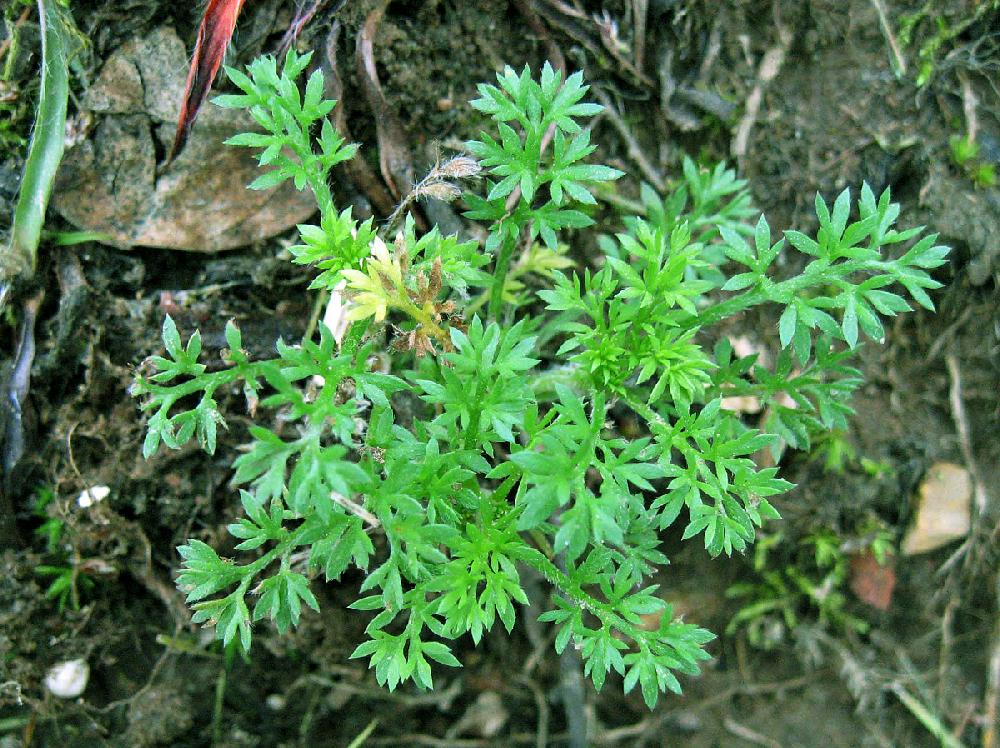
[(67, 680), (91, 496)]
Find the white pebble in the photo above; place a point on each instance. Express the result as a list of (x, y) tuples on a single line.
[(68, 679), (275, 702), (92, 496)]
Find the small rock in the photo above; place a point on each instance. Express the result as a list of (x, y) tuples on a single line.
[(944, 509), (109, 181), (67, 680), (485, 717), (275, 702), (91, 496), (871, 581)]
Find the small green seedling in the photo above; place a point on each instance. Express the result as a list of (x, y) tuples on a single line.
[(965, 155), (811, 585), (453, 429), (68, 582)]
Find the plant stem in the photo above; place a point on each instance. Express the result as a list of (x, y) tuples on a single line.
[(218, 704), (207, 382), (44, 154), (500, 275), (421, 316), (602, 611), (817, 273)]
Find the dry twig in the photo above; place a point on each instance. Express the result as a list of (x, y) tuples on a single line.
[(899, 62), (649, 172), (5, 44), (980, 498), (393, 155), (751, 736), (358, 170), (770, 66)]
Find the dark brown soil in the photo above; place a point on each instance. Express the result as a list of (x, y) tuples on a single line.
[(834, 115)]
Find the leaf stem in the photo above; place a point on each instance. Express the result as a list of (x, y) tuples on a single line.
[(208, 383), (602, 611), (817, 273)]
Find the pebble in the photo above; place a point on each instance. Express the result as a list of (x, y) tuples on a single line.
[(944, 509), (91, 496), (68, 679)]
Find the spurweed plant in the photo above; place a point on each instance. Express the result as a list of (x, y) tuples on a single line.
[(456, 430)]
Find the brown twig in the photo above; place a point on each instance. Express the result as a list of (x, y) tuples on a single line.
[(949, 332), (981, 505), (358, 170), (552, 50), (964, 436), (635, 152), (302, 17), (890, 38), (542, 707), (969, 104), (768, 70), (574, 697), (394, 157), (356, 509), (655, 722), (751, 736), (947, 642), (640, 9), (568, 17), (430, 741)]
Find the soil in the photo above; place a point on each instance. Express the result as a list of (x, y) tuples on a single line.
[(832, 113)]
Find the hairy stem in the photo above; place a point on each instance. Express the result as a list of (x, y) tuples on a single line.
[(500, 276), (45, 152), (602, 611)]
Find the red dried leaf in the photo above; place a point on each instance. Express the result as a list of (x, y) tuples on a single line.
[(214, 34), (872, 583)]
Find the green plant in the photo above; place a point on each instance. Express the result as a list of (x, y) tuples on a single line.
[(811, 584), (937, 28), (17, 259), (965, 155), (68, 580), (51, 528), (486, 446), (836, 452)]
